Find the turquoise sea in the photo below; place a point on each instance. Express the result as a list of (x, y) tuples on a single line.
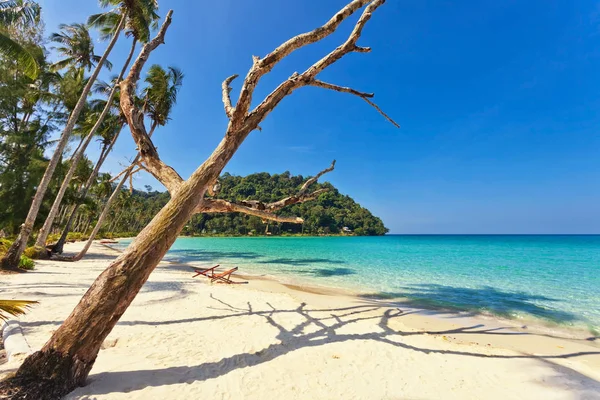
[(551, 278)]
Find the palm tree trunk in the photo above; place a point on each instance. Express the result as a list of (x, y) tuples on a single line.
[(77, 218), (115, 223), (109, 202), (79, 145), (87, 224), (45, 230), (58, 247), (13, 255)]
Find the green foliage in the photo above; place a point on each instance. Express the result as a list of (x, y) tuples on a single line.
[(18, 15), (161, 93), (71, 237), (26, 263), (4, 246), (29, 113), (328, 214), (35, 253), (141, 18)]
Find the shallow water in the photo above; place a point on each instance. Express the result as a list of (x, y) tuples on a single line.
[(553, 278)]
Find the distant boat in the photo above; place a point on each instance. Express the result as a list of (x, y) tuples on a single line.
[(108, 241)]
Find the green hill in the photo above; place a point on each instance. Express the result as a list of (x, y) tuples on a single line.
[(328, 214)]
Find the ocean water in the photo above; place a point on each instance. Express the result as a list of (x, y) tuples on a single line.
[(554, 279)]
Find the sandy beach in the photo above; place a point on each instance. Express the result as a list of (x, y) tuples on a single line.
[(184, 338)]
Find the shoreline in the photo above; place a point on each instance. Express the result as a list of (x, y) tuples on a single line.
[(532, 324), (185, 338)]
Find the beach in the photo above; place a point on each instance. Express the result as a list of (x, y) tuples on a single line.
[(184, 338)]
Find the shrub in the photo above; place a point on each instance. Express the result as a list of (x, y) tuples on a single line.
[(26, 263), (4, 246), (36, 253)]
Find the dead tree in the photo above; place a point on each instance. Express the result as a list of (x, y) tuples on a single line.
[(67, 358)]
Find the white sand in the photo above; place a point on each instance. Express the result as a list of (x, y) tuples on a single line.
[(183, 338)]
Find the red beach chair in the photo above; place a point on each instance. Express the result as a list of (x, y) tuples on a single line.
[(225, 277), (209, 273)]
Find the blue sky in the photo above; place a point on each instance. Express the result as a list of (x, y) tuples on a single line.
[(498, 102)]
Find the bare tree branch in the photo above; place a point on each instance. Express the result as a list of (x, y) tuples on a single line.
[(298, 80), (265, 211), (315, 178), (363, 95), (300, 198), (262, 66), (126, 170), (135, 116), (325, 85), (224, 206), (139, 168), (229, 109)]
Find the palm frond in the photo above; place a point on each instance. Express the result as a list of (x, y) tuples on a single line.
[(62, 64), (13, 50), (14, 308), (106, 23), (19, 12)]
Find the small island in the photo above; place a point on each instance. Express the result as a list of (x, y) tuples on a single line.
[(331, 213)]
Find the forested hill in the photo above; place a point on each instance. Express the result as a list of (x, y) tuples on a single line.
[(328, 214)]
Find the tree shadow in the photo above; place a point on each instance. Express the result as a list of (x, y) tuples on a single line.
[(201, 255), (302, 261), (90, 256), (47, 286), (478, 300), (324, 272), (318, 327)]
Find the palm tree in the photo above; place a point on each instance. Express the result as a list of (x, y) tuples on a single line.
[(77, 48), (20, 14), (160, 95), (12, 257), (46, 228), (109, 133), (141, 18)]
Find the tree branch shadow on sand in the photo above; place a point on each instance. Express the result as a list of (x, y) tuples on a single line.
[(318, 330)]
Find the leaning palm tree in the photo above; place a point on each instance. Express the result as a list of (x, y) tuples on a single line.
[(159, 96), (99, 120), (109, 133), (128, 10), (140, 16), (19, 14)]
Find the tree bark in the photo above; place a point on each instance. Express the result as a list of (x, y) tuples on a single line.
[(45, 230), (13, 255)]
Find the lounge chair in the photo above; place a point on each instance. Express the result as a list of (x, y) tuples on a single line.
[(209, 272), (225, 277)]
